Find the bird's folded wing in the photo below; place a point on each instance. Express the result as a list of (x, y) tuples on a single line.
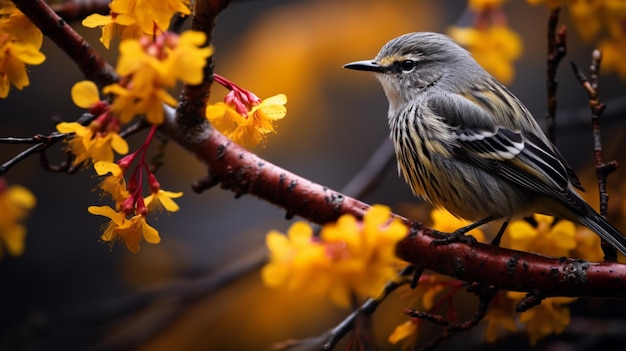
[(521, 158)]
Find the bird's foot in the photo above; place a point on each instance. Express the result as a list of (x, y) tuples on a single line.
[(458, 236)]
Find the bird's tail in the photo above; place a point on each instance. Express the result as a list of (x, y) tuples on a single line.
[(605, 230)]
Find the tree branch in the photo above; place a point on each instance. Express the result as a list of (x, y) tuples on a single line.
[(245, 173), (557, 49), (193, 98)]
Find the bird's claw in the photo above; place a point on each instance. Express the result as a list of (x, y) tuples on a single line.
[(458, 236)]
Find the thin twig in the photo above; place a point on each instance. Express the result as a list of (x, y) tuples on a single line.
[(557, 49), (602, 169), (367, 308)]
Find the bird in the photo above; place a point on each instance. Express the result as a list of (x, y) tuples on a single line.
[(464, 142)]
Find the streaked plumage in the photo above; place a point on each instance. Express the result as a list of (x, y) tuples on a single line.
[(465, 143)]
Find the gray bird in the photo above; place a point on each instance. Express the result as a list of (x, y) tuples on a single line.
[(465, 143)]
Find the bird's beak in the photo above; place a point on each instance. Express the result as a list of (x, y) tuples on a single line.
[(367, 65)]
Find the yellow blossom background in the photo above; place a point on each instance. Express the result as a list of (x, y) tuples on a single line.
[(335, 120)]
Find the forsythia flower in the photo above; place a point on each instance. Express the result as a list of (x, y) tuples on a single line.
[(20, 42), (546, 238), (495, 48), (88, 144), (149, 67), (159, 199), (550, 317), (248, 129), (15, 203), (114, 185), (349, 257), (501, 314), (129, 230), (134, 17)]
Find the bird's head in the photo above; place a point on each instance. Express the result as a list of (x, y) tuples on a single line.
[(413, 62)]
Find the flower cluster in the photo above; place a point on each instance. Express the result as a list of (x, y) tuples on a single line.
[(15, 203), (492, 43), (96, 141), (20, 42), (243, 117), (134, 18), (128, 220), (348, 257), (147, 67)]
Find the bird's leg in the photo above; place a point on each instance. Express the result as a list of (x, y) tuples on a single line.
[(496, 240), (459, 234)]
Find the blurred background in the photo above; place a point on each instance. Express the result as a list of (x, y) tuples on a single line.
[(70, 291)]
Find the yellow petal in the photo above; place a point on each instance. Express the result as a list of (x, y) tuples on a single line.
[(28, 54), (96, 20), (273, 112), (104, 167), (168, 203), (108, 212), (21, 196), (68, 127), (85, 94), (279, 99), (119, 144), (14, 239), (150, 234)]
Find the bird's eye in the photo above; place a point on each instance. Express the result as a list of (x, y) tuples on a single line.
[(407, 65)]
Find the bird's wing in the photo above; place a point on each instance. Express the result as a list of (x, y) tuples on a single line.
[(520, 157), (483, 104)]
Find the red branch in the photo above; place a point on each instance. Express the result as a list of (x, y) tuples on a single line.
[(193, 98), (245, 173), (90, 63)]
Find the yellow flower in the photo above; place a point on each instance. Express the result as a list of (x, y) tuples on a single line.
[(248, 130), (297, 260), (114, 185), (404, 330), (446, 222), (15, 204), (350, 257), (550, 317), (89, 145), (495, 48), (187, 59), (20, 42), (162, 200), (546, 238), (587, 19), (148, 68), (129, 230), (501, 314), (136, 17)]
